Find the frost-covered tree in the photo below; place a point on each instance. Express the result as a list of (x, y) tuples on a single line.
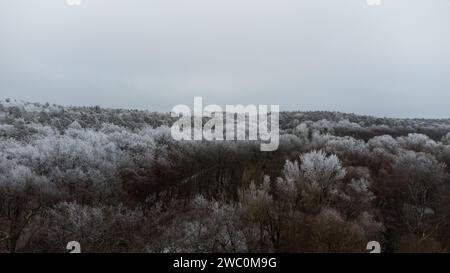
[(213, 228), (102, 228), (318, 168), (24, 195), (422, 176), (417, 142)]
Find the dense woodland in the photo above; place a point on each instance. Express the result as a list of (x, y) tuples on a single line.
[(115, 181)]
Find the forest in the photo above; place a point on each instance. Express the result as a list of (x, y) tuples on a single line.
[(116, 181)]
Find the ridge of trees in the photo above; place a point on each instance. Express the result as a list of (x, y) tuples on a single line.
[(116, 181)]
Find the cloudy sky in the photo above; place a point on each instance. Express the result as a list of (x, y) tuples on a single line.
[(392, 60)]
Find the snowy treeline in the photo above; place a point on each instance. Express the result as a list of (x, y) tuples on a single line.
[(116, 181)]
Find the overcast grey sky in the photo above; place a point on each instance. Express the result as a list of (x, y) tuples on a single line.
[(391, 60)]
